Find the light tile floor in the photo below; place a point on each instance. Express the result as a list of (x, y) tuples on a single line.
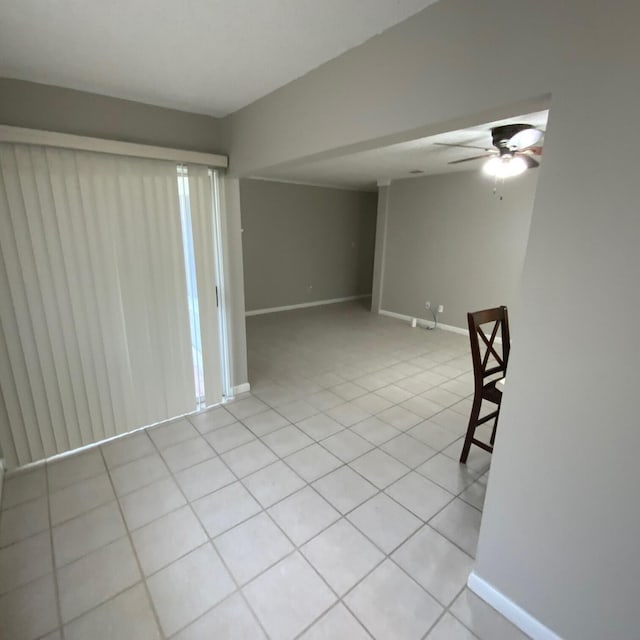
[(328, 503)]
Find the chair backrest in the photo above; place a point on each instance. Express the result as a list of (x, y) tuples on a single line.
[(489, 357)]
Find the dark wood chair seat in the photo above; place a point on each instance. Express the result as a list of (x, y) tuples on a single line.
[(490, 359), (491, 393)]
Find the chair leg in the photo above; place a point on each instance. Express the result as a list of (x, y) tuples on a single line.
[(495, 426), (471, 429)]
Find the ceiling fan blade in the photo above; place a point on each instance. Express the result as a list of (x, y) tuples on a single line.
[(532, 163), (484, 155), (462, 146)]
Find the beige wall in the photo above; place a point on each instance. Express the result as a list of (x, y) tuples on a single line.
[(562, 520), (451, 241), (298, 236), (562, 517), (40, 106)]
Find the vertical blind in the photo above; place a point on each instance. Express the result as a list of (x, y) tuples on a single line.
[(94, 324)]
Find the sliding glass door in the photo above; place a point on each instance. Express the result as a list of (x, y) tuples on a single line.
[(202, 244), (109, 297)]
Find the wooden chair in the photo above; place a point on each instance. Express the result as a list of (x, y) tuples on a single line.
[(489, 365)]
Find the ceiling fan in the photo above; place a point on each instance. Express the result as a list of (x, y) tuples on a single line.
[(515, 146)]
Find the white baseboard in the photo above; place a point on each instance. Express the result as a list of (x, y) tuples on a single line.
[(452, 329), (424, 323), (304, 305), (241, 388), (421, 322), (1, 478), (400, 316), (510, 610)]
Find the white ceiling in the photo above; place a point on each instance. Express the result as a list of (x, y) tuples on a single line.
[(364, 169), (205, 56)]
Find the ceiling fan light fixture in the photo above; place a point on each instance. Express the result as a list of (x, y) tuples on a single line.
[(505, 166), (525, 138)]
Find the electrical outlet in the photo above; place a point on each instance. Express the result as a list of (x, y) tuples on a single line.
[(440, 308), (427, 305)]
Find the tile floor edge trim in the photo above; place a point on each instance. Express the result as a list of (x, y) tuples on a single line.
[(56, 457), (509, 609), (304, 305)]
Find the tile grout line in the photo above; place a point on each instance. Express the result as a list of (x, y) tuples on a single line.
[(336, 604), (31, 535), (342, 516), (395, 383), (265, 509), (324, 411), (447, 608), (454, 496), (135, 555), (386, 556), (259, 438), (53, 557), (210, 542), (306, 483), (443, 614), (298, 549)]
